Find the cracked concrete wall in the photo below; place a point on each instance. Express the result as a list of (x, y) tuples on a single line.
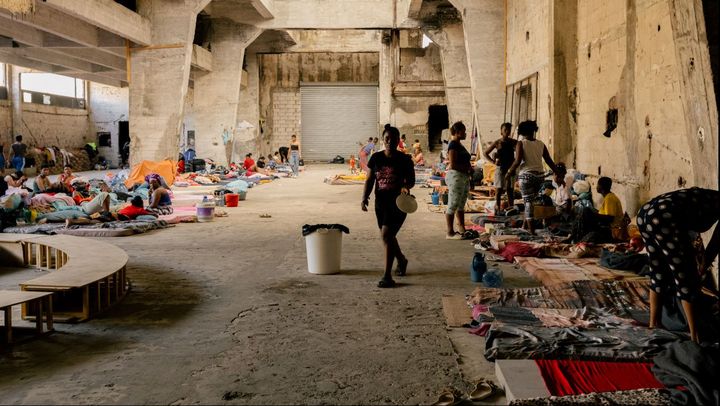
[(629, 57)]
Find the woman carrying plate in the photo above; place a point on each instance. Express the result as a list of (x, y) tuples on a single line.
[(391, 173)]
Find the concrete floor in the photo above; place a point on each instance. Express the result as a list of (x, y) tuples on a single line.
[(226, 312)]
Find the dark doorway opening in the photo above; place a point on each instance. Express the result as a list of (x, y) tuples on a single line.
[(124, 141), (437, 121), (711, 11)]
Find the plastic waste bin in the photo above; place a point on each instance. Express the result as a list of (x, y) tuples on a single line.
[(323, 243)]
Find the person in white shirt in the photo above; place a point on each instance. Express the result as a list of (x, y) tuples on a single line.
[(563, 182)]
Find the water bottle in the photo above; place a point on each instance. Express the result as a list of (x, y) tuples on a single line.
[(478, 268), (493, 278), (205, 199)]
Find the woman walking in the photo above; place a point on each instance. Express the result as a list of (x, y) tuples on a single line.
[(391, 173), (458, 181), (529, 155), (295, 155), (668, 225), (364, 154)]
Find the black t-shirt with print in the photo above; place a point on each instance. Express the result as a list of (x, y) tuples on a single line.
[(391, 173)]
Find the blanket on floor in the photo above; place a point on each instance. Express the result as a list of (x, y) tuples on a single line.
[(129, 228), (507, 341), (554, 271)]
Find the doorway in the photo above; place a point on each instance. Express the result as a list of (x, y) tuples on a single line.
[(124, 141), (437, 121)]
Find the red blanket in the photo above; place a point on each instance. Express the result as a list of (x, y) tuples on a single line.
[(570, 377)]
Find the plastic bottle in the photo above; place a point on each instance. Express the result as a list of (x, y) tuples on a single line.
[(205, 199), (493, 278), (478, 267)]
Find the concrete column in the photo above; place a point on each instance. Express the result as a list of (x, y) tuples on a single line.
[(483, 25), (388, 64), (249, 110), (217, 94), (456, 75), (159, 78)]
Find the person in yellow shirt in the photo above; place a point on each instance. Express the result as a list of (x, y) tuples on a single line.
[(611, 210)]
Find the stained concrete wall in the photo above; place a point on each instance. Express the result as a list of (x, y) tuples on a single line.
[(529, 44), (249, 110), (6, 133), (628, 57), (107, 106), (43, 125)]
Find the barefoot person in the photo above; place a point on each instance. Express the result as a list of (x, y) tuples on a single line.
[(668, 225), (503, 160), (458, 181), (391, 173)]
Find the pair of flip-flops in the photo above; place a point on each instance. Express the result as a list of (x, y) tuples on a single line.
[(483, 389)]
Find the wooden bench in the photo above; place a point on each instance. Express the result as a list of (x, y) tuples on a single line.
[(87, 276), (40, 301)]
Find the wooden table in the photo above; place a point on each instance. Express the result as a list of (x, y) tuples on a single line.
[(41, 301)]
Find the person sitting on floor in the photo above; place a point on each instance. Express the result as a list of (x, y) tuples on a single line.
[(611, 209), (67, 176), (90, 203), (271, 162), (42, 181), (160, 202), (134, 209), (418, 157), (15, 180), (248, 163)]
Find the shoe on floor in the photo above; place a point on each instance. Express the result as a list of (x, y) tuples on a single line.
[(455, 236)]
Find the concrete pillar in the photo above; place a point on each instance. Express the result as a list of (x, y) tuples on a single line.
[(217, 93), (159, 78), (564, 80), (483, 25), (456, 75), (388, 63), (250, 139)]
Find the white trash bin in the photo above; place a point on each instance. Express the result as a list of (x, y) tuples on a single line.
[(324, 251)]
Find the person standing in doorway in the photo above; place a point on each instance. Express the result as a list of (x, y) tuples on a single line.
[(391, 173), (504, 158), (295, 155), (18, 151), (457, 178), (529, 155)]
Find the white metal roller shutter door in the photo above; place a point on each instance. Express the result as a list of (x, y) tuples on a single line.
[(335, 118)]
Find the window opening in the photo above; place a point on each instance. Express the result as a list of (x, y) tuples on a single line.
[(521, 100)]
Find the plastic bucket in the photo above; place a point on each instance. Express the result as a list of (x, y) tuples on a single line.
[(242, 194), (324, 251), (435, 199), (205, 212), (232, 199)]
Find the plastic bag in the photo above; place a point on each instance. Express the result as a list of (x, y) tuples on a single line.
[(308, 229)]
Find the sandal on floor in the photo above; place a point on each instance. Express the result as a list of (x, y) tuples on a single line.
[(386, 283), (455, 236), (484, 388), (401, 269), (449, 397)]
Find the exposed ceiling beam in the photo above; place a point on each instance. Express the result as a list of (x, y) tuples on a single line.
[(109, 16), (43, 55), (201, 58), (8, 57), (95, 56), (50, 68), (64, 26), (414, 8), (264, 8)]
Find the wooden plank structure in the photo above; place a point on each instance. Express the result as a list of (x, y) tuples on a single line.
[(87, 276), (41, 302)]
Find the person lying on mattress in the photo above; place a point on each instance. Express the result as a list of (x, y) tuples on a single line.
[(160, 202)]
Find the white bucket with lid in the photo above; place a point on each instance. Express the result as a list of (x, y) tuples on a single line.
[(324, 251)]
